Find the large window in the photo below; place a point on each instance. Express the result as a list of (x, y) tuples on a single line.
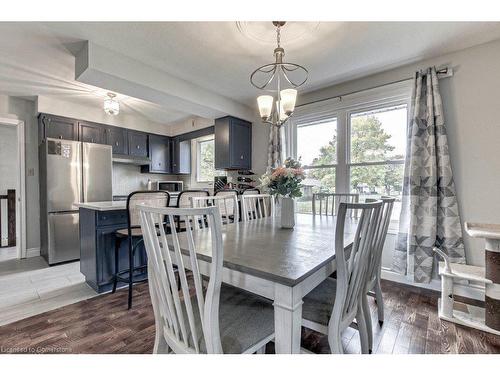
[(354, 144), (317, 150), (205, 159), (377, 142)]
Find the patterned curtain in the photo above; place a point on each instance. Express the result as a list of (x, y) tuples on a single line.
[(429, 213), (276, 149)]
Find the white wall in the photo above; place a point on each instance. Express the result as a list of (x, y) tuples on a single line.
[(472, 116)]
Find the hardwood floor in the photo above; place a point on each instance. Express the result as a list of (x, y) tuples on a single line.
[(104, 325), (29, 287)]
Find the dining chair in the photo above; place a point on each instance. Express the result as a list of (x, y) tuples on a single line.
[(184, 200), (227, 203), (250, 191), (375, 266), (134, 236), (218, 319), (334, 304), (256, 206), (331, 202)]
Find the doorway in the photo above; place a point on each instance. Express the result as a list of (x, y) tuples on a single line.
[(12, 190)]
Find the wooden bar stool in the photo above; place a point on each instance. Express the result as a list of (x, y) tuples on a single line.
[(134, 237)]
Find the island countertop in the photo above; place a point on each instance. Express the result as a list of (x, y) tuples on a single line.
[(104, 206)]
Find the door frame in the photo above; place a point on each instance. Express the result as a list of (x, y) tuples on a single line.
[(21, 183)]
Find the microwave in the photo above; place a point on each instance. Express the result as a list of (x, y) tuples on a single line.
[(170, 186)]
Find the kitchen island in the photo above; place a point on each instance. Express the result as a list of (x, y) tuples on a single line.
[(98, 223)]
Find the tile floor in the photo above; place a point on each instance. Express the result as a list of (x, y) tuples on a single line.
[(29, 287)]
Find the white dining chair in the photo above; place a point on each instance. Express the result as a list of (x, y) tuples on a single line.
[(227, 203), (375, 267), (329, 203), (256, 206), (334, 304), (222, 319)]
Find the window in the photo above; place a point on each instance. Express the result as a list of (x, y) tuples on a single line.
[(353, 144), (377, 143), (317, 150), (205, 160)]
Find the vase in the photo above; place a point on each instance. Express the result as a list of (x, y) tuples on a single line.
[(287, 213)]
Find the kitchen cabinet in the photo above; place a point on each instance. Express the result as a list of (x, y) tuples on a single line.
[(91, 133), (137, 144), (159, 153), (58, 127), (97, 247), (117, 138), (233, 143), (181, 156)]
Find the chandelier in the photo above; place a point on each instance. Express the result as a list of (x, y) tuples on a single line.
[(111, 105), (281, 79)]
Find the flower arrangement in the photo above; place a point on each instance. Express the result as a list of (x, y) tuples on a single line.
[(284, 181)]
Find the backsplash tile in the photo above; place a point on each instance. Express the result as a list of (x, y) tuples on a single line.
[(128, 178)]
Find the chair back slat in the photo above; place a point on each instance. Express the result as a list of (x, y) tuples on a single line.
[(184, 326), (331, 202), (257, 206), (380, 236), (227, 204), (352, 266)]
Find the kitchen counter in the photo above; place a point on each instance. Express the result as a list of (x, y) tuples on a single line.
[(104, 206)]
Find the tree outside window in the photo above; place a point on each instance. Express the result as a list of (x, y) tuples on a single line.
[(206, 161)]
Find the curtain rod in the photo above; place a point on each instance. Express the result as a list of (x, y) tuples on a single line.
[(444, 72)]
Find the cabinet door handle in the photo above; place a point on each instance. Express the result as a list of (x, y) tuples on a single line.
[(116, 143), (241, 157), (60, 137), (138, 147)]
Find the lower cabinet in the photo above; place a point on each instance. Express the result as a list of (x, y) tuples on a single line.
[(97, 247)]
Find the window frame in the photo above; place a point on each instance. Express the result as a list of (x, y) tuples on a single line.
[(341, 108), (199, 141)]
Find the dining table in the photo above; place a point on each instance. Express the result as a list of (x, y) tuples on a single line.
[(280, 264)]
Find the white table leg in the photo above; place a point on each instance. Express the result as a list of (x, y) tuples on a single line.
[(287, 319)]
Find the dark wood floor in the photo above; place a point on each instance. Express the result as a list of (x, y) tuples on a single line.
[(104, 325)]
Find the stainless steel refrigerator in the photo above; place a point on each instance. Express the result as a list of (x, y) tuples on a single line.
[(70, 172)]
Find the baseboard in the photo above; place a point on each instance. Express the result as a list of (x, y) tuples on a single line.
[(472, 291), (33, 252)]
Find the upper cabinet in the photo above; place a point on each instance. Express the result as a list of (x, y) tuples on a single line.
[(58, 127), (181, 156), (117, 138), (91, 133), (137, 144), (233, 143), (159, 153)]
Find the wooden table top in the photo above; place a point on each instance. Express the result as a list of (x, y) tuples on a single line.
[(261, 248)]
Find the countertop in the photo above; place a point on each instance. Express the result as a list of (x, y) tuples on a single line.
[(104, 206)]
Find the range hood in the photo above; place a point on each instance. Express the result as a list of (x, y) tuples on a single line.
[(127, 159)]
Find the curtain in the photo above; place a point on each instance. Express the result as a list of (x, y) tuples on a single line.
[(276, 148), (429, 212)]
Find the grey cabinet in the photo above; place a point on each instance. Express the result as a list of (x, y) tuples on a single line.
[(117, 138), (137, 144), (233, 143), (159, 153), (181, 156), (91, 133), (58, 127)]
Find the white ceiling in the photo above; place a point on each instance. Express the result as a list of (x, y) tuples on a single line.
[(37, 58)]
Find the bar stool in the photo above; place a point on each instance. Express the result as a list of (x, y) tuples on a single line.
[(133, 235), (184, 201)]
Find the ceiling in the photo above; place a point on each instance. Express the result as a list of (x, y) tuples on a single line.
[(38, 58)]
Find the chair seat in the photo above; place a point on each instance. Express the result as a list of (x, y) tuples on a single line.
[(136, 232), (318, 304), (245, 319)]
